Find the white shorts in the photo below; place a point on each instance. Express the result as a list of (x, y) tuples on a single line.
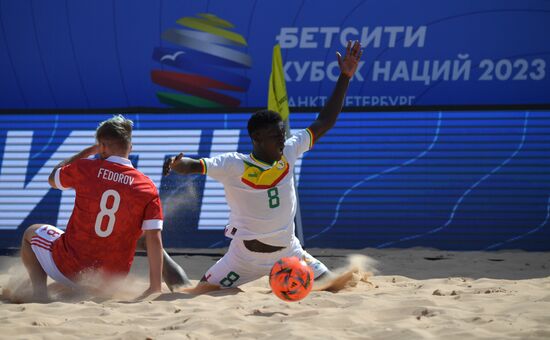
[(240, 265), (41, 245)]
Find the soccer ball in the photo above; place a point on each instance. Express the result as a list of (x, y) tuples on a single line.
[(291, 279)]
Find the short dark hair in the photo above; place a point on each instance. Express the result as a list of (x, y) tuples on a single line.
[(262, 119), (117, 131)]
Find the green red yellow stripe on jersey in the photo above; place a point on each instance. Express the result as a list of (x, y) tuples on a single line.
[(311, 138), (204, 168), (258, 178)]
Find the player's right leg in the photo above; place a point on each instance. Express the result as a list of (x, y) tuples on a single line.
[(36, 273)]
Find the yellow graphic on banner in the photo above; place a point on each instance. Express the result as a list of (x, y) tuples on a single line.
[(258, 178), (211, 24)]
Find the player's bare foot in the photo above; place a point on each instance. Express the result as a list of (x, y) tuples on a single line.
[(19, 297), (40, 298), (201, 288), (335, 283)]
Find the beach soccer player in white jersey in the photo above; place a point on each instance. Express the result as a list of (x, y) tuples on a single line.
[(259, 189)]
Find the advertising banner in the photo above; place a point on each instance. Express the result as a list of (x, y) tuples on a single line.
[(448, 180), (217, 54)]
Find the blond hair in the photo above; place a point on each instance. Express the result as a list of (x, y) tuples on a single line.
[(115, 131)]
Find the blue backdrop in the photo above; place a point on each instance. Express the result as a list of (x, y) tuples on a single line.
[(450, 180), (105, 53)]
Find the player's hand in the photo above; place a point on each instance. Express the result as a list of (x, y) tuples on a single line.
[(348, 64), (91, 150), (169, 163), (148, 292)]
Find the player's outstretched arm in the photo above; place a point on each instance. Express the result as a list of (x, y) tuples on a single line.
[(348, 66), (87, 152), (182, 165)]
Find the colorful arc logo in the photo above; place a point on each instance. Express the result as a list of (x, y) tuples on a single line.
[(208, 54)]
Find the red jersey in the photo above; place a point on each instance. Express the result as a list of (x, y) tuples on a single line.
[(114, 203)]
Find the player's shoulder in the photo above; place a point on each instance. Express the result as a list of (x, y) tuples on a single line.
[(229, 156), (297, 134), (143, 183), (227, 159), (303, 136), (239, 156), (85, 164), (125, 166), (88, 160), (142, 177), (239, 159), (224, 165)]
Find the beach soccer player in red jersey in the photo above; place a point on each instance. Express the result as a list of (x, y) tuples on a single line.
[(115, 205)]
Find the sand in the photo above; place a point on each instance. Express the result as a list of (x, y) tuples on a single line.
[(414, 294)]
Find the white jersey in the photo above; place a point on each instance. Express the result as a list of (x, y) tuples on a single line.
[(261, 196)]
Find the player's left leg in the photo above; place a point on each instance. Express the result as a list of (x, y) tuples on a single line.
[(334, 282), (36, 273), (324, 278), (202, 287)]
